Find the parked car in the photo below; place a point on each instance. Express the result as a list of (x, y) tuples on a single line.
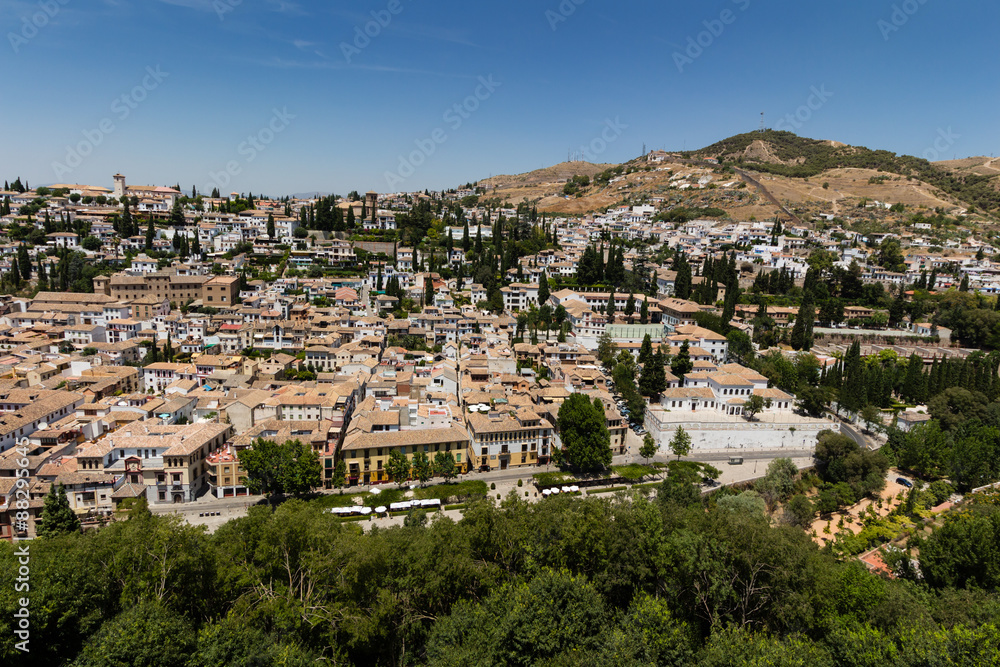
[(905, 482)]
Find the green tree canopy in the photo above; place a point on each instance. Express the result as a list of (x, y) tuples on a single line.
[(649, 447), (58, 518), (680, 444), (682, 364), (273, 469), (584, 432)]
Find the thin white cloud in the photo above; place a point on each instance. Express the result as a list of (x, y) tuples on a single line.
[(308, 47), (280, 6), (201, 5), (424, 32), (286, 7), (281, 63), (401, 27)]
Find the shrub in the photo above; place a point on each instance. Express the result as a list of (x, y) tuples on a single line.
[(520, 483), (941, 490), (493, 486)]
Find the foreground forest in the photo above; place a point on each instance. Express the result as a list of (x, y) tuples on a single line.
[(629, 580)]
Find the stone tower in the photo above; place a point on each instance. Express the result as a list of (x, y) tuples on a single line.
[(119, 186), (371, 203)]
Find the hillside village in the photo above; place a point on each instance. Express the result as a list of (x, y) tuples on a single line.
[(150, 337)]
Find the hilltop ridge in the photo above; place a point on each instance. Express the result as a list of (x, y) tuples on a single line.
[(807, 177)]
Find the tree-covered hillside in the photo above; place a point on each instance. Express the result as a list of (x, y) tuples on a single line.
[(622, 581)]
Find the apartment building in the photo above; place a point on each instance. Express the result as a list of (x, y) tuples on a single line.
[(157, 376), (165, 463), (226, 476), (23, 411), (367, 453), (214, 291), (500, 440)]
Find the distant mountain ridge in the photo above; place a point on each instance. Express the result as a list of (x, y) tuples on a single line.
[(309, 195)]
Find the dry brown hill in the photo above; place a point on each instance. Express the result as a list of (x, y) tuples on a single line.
[(984, 166), (559, 173), (809, 178), (846, 190)]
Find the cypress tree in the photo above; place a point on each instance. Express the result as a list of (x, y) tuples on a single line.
[(15, 274), (811, 280), (934, 379), (24, 262), (42, 280), (732, 298), (58, 518), (653, 380), (126, 219), (802, 330), (760, 282), (543, 288), (853, 393), (681, 365), (682, 283), (915, 385), (646, 350)]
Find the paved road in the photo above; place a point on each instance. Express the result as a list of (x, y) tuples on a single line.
[(758, 454), (853, 434), (754, 465), (848, 331)]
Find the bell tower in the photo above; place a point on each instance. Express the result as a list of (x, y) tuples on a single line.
[(119, 186)]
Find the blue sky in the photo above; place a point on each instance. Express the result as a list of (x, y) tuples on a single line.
[(282, 96)]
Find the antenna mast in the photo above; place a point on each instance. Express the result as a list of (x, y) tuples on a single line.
[(762, 122)]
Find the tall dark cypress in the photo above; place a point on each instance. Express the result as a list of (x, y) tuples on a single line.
[(934, 378), (853, 392)]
